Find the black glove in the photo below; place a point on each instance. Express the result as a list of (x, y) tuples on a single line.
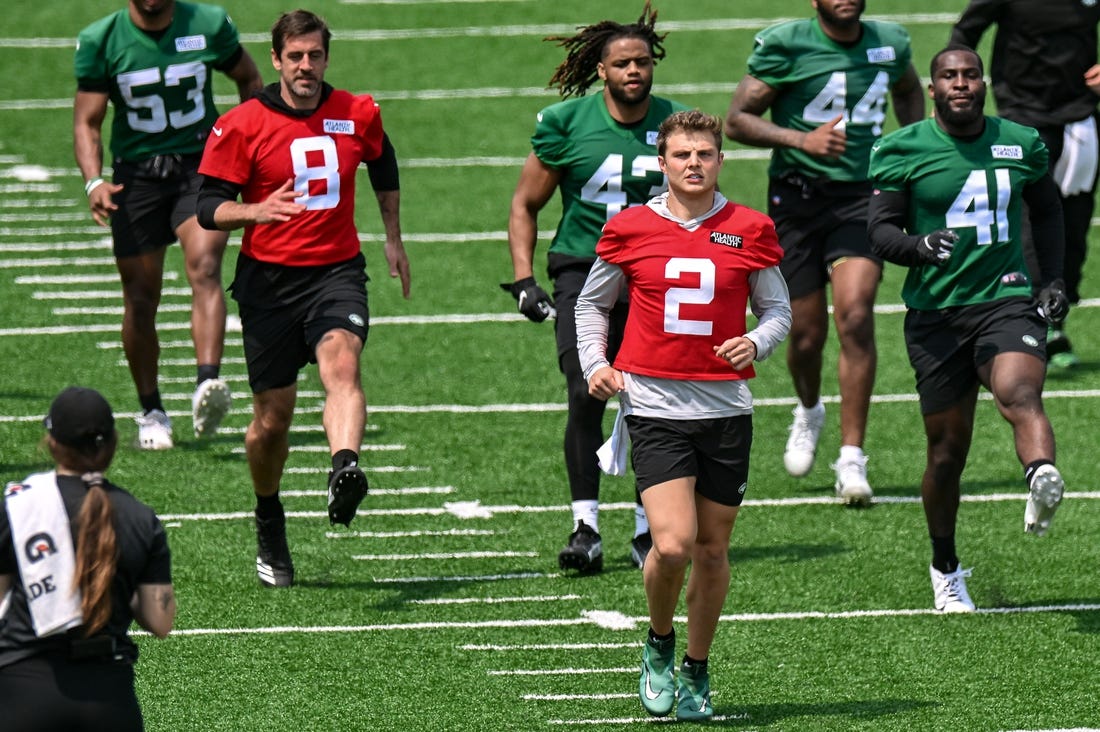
[(935, 249), (1053, 302), (533, 300)]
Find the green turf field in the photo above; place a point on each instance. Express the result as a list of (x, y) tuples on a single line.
[(442, 607)]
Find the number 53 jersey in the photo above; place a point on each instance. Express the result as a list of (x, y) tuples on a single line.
[(605, 166), (160, 88), (262, 144), (818, 79)]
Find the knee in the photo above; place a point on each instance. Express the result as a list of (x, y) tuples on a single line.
[(856, 325), (808, 338), (672, 553)]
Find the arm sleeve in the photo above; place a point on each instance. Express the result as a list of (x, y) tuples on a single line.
[(212, 193), (383, 172), (771, 304), (592, 312), (886, 214), (1044, 206), (975, 19)]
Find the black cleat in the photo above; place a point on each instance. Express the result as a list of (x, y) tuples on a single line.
[(584, 552), (273, 564), (347, 487), (639, 548)]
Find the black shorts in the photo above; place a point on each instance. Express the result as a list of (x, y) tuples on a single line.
[(47, 692), (946, 347), (568, 284), (157, 196), (713, 451), (818, 223), (285, 311)]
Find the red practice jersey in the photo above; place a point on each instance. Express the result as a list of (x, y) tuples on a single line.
[(688, 289), (260, 148)]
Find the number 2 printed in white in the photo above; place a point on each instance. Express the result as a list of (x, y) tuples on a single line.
[(675, 268)]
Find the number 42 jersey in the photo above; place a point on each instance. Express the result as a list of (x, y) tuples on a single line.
[(260, 146), (605, 166)]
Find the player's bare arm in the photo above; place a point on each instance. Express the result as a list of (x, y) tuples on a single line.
[(89, 111), (247, 77), (908, 98), (389, 206), (1092, 79), (745, 123), (537, 183)]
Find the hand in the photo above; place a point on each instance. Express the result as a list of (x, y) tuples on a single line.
[(936, 248), (398, 260), (533, 300), (282, 205), (1053, 302), (605, 383), (101, 202), (829, 140)]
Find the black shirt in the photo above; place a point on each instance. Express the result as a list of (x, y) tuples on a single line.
[(144, 558), (1041, 51)]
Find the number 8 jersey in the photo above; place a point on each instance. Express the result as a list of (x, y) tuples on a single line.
[(262, 143), (160, 88), (605, 166), (818, 79)]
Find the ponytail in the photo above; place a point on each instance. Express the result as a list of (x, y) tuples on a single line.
[(96, 554)]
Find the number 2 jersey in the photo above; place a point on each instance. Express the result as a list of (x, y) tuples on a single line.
[(262, 143), (818, 78), (688, 286), (973, 187), (160, 88), (606, 166)]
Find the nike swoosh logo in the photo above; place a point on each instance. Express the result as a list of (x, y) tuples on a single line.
[(649, 693), (216, 131)]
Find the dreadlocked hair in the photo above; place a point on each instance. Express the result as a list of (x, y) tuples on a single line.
[(586, 49)]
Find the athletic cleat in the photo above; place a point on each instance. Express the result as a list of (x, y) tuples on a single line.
[(347, 487), (1060, 353), (584, 552), (693, 695), (639, 548), (154, 430), (1043, 497), (273, 564), (805, 431), (950, 591), (656, 685), (851, 484), (209, 405)]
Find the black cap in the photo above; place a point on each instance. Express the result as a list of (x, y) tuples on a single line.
[(80, 417)]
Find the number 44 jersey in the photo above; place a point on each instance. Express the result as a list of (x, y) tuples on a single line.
[(605, 166), (160, 87), (261, 144)]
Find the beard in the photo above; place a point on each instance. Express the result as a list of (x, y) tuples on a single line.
[(622, 96), (961, 117), (835, 20)]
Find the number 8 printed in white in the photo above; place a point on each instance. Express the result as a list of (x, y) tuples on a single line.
[(328, 171)]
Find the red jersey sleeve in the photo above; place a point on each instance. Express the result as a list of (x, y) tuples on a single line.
[(228, 152)]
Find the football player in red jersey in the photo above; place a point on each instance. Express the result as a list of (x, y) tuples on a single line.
[(690, 261), (291, 154)]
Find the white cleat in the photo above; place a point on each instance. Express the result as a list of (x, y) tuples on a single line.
[(1043, 498), (209, 406), (851, 485), (154, 431), (950, 591), (798, 458)]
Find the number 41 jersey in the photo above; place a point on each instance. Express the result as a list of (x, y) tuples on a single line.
[(260, 146), (605, 166), (161, 89)]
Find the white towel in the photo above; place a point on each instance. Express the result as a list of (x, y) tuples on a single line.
[(1076, 167), (44, 552), (612, 454)]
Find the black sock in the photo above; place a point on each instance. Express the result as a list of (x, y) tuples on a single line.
[(693, 666), (268, 507), (943, 554), (149, 402), (208, 371), (1029, 471), (656, 640), (343, 458)]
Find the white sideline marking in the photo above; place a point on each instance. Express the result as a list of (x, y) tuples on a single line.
[(405, 534), (492, 600), (365, 469), (325, 448), (472, 578), (639, 720), (376, 492), (579, 697), (560, 671), (80, 279), (549, 647), (563, 622), (442, 555)]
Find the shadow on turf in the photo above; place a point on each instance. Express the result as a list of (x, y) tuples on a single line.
[(757, 715)]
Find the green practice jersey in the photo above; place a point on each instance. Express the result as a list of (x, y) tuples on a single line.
[(973, 188), (818, 78), (605, 166), (161, 89)]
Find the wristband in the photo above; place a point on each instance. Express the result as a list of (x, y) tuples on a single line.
[(92, 185)]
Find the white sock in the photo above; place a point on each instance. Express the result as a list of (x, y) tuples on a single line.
[(641, 523), (851, 452), (588, 512)]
